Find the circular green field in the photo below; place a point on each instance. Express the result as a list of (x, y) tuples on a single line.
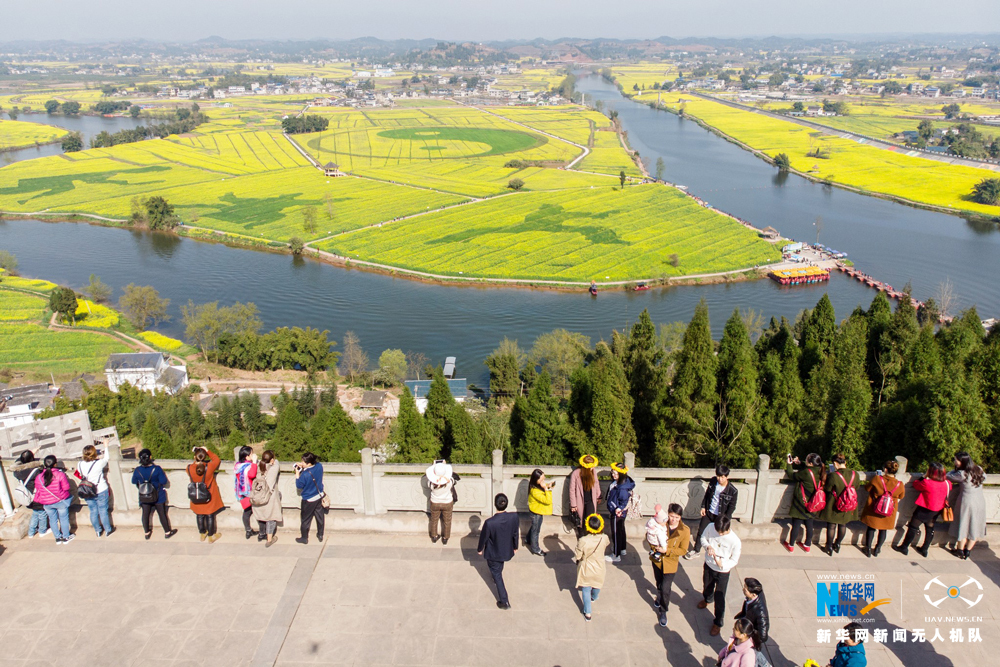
[(428, 142)]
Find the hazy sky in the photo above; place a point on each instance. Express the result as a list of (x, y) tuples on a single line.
[(484, 19)]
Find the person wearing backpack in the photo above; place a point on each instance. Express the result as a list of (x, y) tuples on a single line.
[(619, 495), (203, 492), (25, 472), (93, 488), (265, 496), (151, 482), (841, 502), (933, 489), (885, 492), (808, 497), (53, 493), (243, 475)]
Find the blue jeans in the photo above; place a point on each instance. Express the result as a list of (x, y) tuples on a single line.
[(536, 528), (58, 514), (589, 595), (39, 522), (99, 512)]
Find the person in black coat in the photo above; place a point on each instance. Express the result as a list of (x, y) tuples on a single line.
[(755, 611), (719, 500), (497, 544)]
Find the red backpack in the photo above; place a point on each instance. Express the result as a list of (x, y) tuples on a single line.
[(886, 504), (847, 500), (818, 501)]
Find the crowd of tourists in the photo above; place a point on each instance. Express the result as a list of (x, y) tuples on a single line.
[(824, 496)]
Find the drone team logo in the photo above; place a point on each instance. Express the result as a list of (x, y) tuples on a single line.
[(954, 592)]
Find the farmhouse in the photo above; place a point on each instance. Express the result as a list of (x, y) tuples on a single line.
[(148, 371), (19, 405), (420, 388)]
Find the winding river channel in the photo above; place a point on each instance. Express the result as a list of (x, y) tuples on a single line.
[(893, 242)]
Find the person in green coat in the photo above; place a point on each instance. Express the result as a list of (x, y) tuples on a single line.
[(807, 477), (837, 483)]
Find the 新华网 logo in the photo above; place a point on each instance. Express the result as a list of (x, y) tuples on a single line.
[(846, 599)]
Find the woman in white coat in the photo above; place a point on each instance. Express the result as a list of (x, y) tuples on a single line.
[(265, 498)]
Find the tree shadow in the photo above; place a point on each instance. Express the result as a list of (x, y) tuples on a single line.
[(678, 650), (909, 653), (559, 559)]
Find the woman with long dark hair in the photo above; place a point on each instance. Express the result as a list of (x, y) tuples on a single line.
[(151, 482), (540, 506), (202, 471), (584, 492), (90, 472), (25, 472), (309, 482), (266, 497), (809, 478), (885, 492), (841, 488), (970, 508), (933, 489), (619, 496), (53, 493), (243, 473)]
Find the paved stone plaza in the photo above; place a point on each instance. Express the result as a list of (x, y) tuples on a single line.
[(374, 599)]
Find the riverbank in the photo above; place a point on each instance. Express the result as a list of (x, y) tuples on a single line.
[(902, 172)]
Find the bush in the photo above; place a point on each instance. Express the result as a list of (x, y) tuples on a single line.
[(515, 184), (782, 162), (987, 191)]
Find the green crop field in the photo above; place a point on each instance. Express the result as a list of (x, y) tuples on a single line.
[(578, 235), (15, 307), (849, 162), (608, 157), (18, 134)]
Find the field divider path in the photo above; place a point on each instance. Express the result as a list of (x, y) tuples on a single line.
[(568, 167), (847, 134)]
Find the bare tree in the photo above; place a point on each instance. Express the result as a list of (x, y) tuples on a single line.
[(753, 320), (945, 297), (415, 362), (353, 358)]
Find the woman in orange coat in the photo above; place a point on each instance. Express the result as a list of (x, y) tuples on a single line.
[(203, 492)]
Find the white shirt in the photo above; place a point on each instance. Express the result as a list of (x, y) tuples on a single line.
[(93, 471), (713, 506), (727, 547), (441, 495)]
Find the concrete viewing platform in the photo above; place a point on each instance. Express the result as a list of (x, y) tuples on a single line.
[(397, 599)]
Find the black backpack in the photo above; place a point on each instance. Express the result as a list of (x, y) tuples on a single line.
[(198, 492), (149, 494)]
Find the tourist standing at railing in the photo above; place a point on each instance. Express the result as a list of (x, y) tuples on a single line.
[(25, 472), (590, 563), (540, 506), (151, 483), (885, 492), (498, 541), (93, 488), (203, 492), (970, 508), (53, 493), (666, 559), (441, 480), (841, 502), (243, 475), (719, 500), (755, 610), (933, 489), (265, 498), (809, 479), (619, 494), (584, 492), (722, 553), (309, 482)]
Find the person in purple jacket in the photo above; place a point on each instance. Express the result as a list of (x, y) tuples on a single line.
[(52, 492)]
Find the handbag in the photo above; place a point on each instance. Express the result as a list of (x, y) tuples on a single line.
[(324, 500), (86, 489), (947, 513)]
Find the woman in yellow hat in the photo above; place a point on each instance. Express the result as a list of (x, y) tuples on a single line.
[(590, 564), (584, 492), (619, 495)]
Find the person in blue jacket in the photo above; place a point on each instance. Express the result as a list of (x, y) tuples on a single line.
[(309, 481), (149, 472), (619, 495), (851, 651)]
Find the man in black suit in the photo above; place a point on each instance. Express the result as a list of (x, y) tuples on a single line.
[(497, 543)]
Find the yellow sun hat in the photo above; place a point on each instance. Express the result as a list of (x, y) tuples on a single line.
[(588, 461), (595, 526), (620, 468)]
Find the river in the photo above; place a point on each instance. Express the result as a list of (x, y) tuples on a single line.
[(88, 126), (891, 241)]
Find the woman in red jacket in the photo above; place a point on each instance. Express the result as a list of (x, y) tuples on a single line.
[(933, 489), (202, 471)]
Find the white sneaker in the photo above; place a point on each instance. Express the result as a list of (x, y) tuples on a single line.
[(31, 537), (610, 559), (624, 552), (689, 555), (69, 539), (45, 532)]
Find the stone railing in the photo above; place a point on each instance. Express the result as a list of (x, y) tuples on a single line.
[(368, 488)]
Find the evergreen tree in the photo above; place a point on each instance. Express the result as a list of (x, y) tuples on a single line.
[(236, 440), (156, 441), (687, 411), (439, 404), (851, 394), (888, 351), (253, 418), (739, 395), (335, 437), (988, 364), (505, 365), (643, 359), (818, 332), (463, 438), (782, 392), (602, 406), (290, 438), (416, 445), (536, 428), (962, 338)]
